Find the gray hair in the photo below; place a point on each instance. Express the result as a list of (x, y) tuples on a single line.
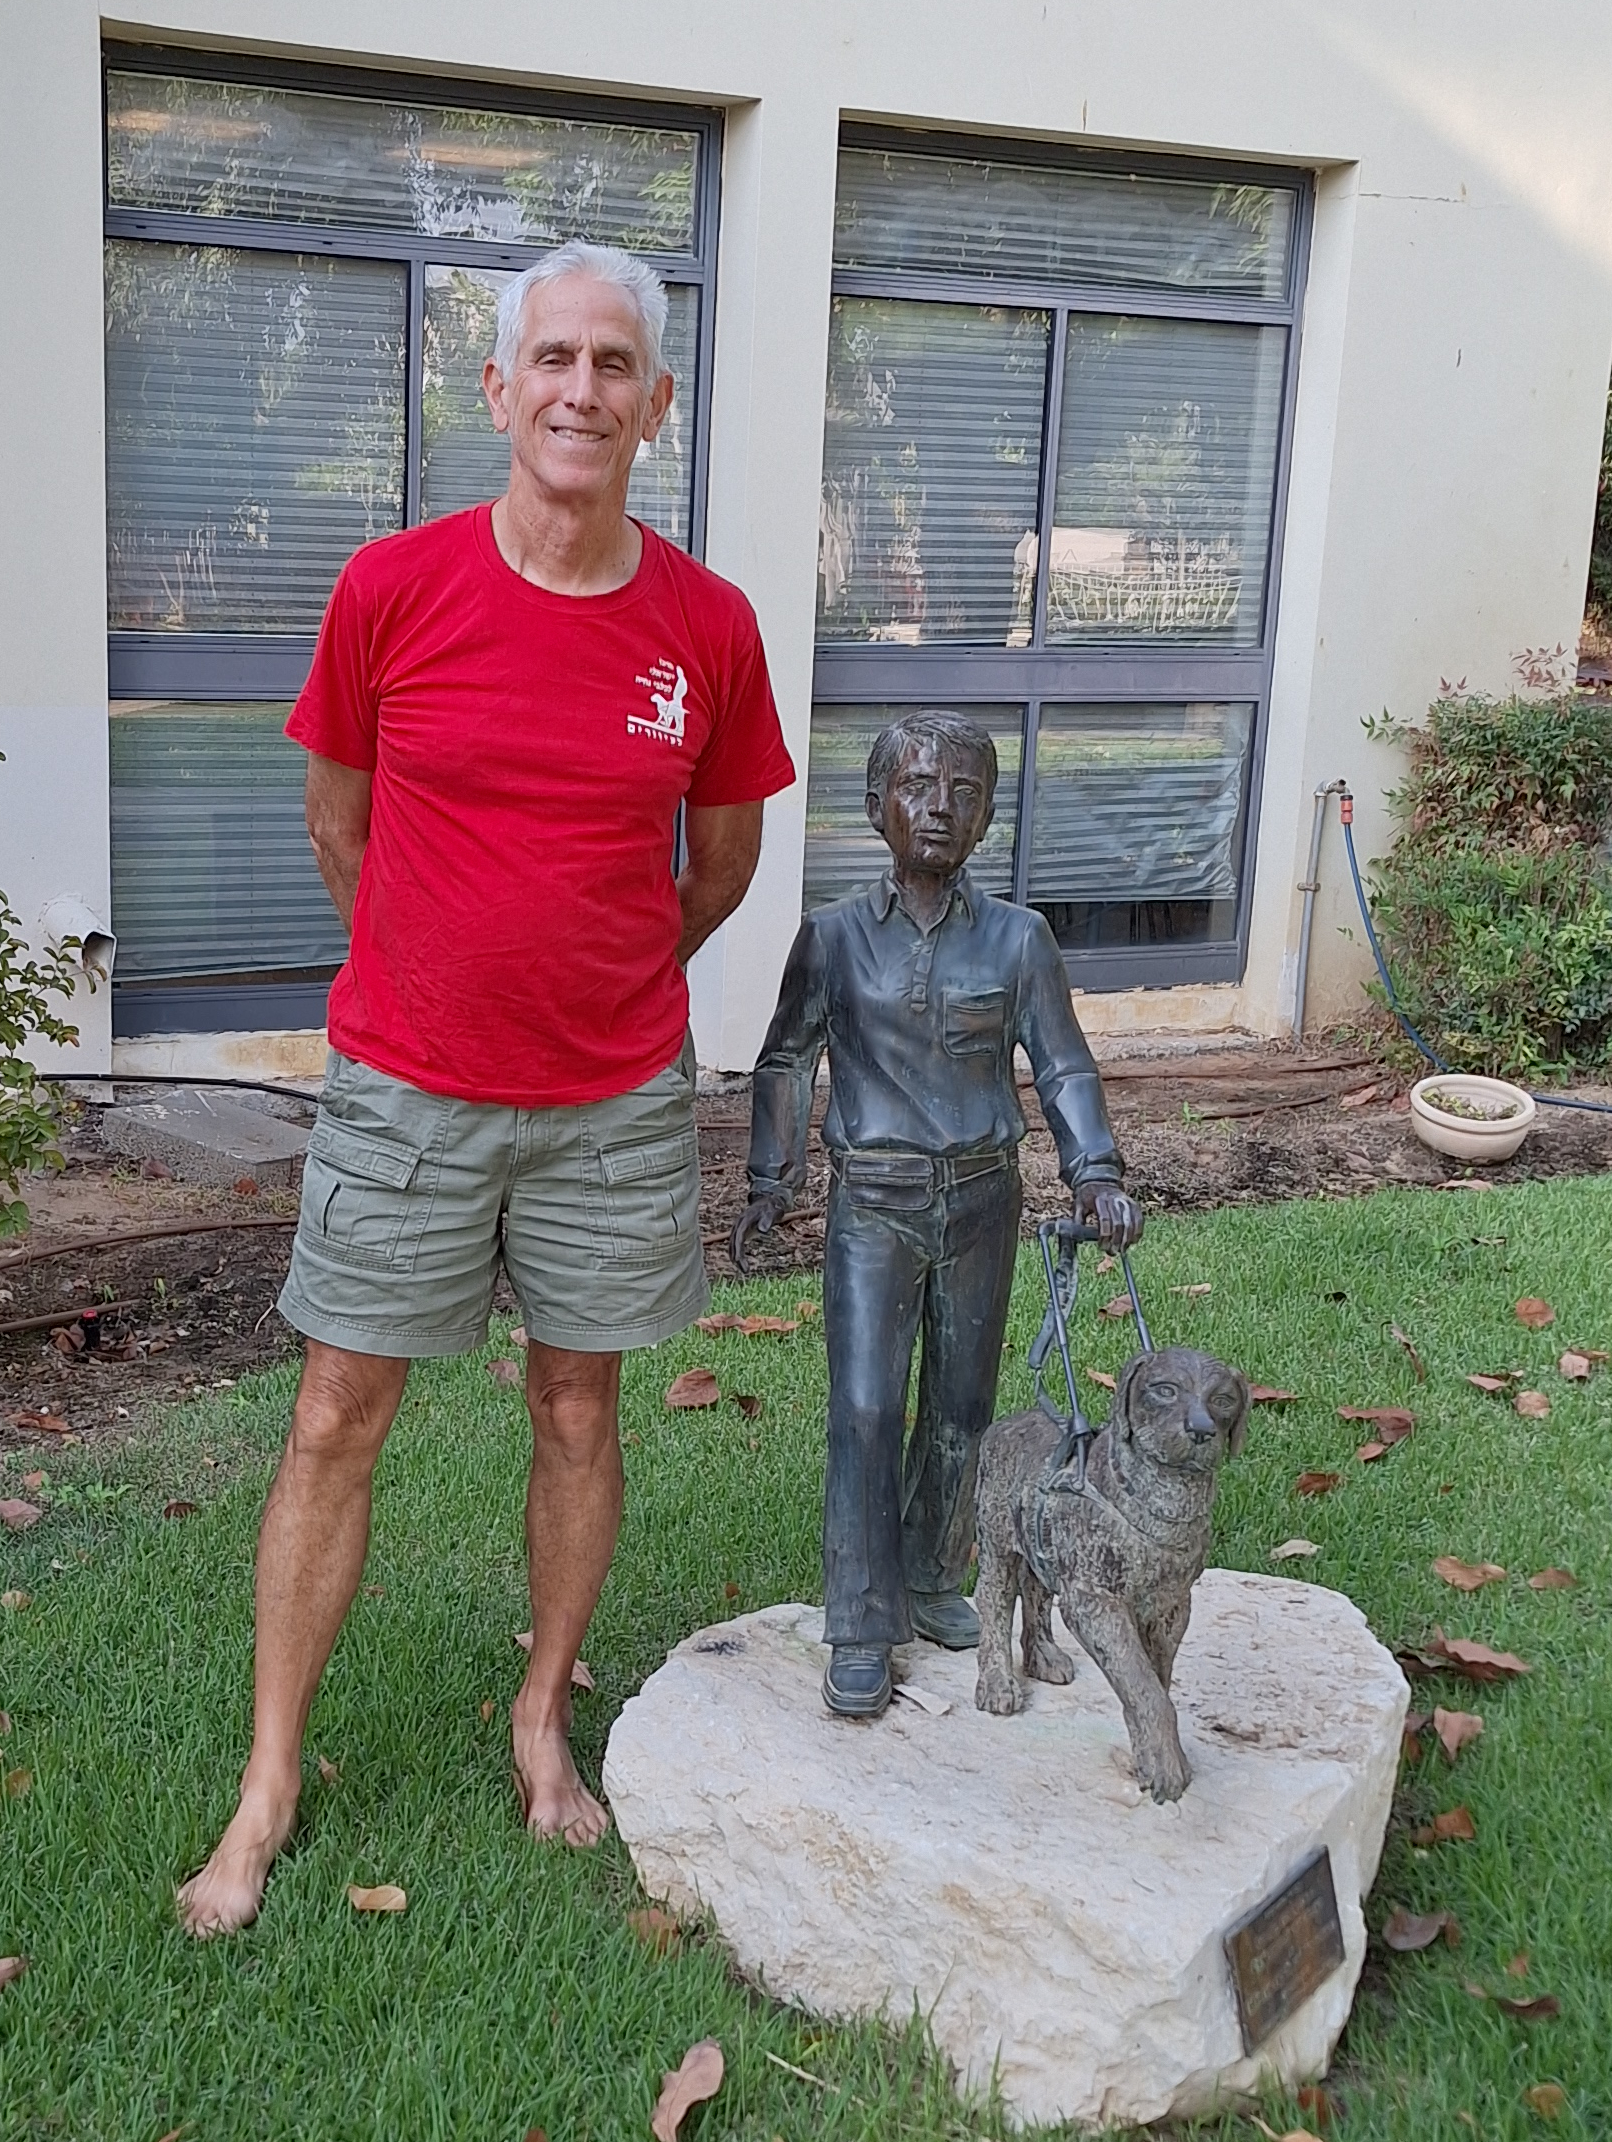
[(952, 733), (605, 264)]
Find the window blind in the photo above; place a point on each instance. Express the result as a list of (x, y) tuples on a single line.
[(254, 432)]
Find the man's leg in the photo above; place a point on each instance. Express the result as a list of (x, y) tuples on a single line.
[(573, 1512), (873, 1282), (310, 1557), (965, 1316)]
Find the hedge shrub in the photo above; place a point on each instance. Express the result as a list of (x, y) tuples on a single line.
[(1495, 903)]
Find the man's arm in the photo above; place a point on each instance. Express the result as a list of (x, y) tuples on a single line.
[(781, 1090), (1071, 1092), (337, 804), (724, 844)]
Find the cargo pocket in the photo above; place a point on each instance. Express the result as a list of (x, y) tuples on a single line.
[(363, 1199), (650, 1198), (974, 1019)]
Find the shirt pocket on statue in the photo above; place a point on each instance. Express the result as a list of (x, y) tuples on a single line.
[(365, 1197), (647, 1200), (973, 1020)]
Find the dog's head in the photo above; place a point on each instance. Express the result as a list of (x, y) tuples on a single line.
[(1183, 1410)]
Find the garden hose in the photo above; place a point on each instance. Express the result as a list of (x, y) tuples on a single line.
[(1346, 817)]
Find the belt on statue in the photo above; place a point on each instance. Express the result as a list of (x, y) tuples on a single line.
[(875, 1168)]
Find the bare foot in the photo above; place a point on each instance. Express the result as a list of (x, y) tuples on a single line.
[(226, 1894), (554, 1799)]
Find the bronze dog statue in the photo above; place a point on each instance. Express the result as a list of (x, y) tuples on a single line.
[(1120, 1552)]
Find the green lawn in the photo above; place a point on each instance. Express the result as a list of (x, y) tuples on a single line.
[(512, 1995)]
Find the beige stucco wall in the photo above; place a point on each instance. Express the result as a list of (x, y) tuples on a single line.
[(1456, 341)]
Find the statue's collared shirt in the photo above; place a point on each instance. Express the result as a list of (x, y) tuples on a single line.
[(920, 1028)]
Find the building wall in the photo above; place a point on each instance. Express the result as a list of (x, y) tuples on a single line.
[(1456, 341)]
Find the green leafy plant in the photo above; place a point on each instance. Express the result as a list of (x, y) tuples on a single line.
[(29, 1104), (1495, 902)]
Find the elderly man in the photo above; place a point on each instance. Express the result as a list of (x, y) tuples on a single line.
[(920, 990), (505, 711)]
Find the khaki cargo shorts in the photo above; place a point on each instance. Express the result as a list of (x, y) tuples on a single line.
[(410, 1201)]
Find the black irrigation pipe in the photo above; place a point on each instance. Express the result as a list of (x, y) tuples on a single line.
[(162, 1078)]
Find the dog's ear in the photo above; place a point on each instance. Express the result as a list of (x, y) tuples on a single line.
[(1239, 1427), (1120, 1417)]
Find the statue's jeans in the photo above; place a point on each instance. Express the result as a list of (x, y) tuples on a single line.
[(909, 1244)]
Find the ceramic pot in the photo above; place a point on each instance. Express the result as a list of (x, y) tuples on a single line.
[(1464, 1137)]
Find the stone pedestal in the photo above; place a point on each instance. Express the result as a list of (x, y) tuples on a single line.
[(1004, 1876)]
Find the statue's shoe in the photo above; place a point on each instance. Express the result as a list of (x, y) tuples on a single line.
[(857, 1683), (945, 1618)]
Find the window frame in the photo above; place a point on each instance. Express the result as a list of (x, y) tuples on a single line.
[(274, 666), (949, 672)]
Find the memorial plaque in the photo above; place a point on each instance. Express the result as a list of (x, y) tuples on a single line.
[(1283, 1951)]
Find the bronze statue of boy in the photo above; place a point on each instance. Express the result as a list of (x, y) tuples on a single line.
[(920, 989)]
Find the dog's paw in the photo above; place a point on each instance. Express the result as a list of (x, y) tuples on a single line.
[(999, 1694), (1049, 1662), (1167, 1776)]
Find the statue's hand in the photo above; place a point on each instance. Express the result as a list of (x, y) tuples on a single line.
[(759, 1217), (1117, 1218)]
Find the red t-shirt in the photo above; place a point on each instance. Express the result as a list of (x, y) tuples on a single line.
[(515, 932)]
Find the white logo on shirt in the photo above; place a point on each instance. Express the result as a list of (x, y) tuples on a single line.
[(668, 693)]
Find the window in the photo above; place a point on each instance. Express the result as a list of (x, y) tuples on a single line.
[(1058, 394), (302, 268)]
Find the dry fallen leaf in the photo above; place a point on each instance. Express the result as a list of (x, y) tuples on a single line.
[(923, 1699), (12, 1967), (18, 1784), (1454, 1826), (1408, 1931), (1464, 1182), (517, 1336), (1494, 1385), (1118, 1307), (17, 1516), (1199, 1286), (487, 1709), (695, 1387), (504, 1371), (1532, 1405), (386, 1897), (1475, 1660), (180, 1509), (1539, 2010), (1105, 1263), (748, 1404), (14, 1602), (656, 1929), (1294, 1550), (39, 1423), (5, 1724), (582, 1674), (1518, 1966), (752, 1327), (1316, 1483), (730, 1590), (1266, 1394), (1575, 1366), (1417, 1367), (717, 1323), (1466, 1576), (1359, 1097), (1549, 2100), (806, 1310), (328, 1771), (33, 1482), (1553, 1580), (1369, 1453), (699, 2077), (1456, 1730), (1535, 1313), (1294, 2134), (1101, 1376), (1392, 1423), (1410, 1735), (1316, 2101)]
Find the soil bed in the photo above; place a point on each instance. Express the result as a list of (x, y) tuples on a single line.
[(201, 1311)]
